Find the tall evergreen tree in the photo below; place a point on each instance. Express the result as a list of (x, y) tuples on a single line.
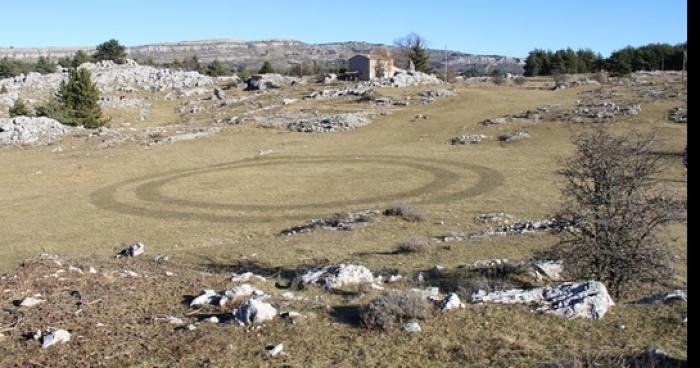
[(76, 103)]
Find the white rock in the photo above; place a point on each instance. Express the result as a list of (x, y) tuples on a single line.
[(274, 350), (173, 320), (132, 250), (31, 301), (589, 299), (254, 311), (206, 296), (412, 326), (49, 338), (23, 130), (243, 290), (345, 274), (245, 277), (212, 319), (450, 302), (549, 269)]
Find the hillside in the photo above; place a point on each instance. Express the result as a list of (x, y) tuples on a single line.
[(281, 53)]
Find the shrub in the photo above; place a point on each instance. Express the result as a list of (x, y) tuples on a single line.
[(266, 68), (411, 246), (19, 109), (405, 212), (3, 89), (217, 69), (613, 202), (111, 50), (600, 77), (76, 103), (519, 81), (498, 77), (559, 78), (392, 308)]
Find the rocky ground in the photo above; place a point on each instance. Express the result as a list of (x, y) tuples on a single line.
[(313, 222)]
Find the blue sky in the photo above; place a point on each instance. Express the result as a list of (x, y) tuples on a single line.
[(504, 27)]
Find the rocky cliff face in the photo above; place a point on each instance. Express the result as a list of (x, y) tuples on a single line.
[(281, 53)]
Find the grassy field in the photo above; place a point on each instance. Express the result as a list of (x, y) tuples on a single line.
[(211, 202)]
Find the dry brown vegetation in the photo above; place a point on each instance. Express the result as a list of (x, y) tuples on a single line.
[(216, 205)]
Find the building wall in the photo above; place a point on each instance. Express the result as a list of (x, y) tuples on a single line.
[(360, 64)]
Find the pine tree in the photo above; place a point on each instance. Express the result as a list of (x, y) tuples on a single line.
[(76, 103), (419, 56), (111, 50), (44, 66), (19, 109), (217, 69), (266, 68)]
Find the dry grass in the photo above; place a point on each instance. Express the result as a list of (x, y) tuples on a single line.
[(214, 202)]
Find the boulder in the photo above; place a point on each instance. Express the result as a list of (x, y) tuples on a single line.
[(53, 337), (450, 302), (254, 311), (588, 299), (23, 130), (132, 250)]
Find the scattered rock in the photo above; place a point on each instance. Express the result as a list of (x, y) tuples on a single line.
[(681, 295), (514, 136), (334, 277), (23, 130), (589, 299), (465, 139), (274, 350), (329, 124), (132, 250), (269, 81), (339, 221), (450, 302), (678, 115), (245, 277), (411, 326), (208, 296), (49, 338), (254, 311), (243, 290), (31, 301)]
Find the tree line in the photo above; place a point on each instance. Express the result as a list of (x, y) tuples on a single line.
[(654, 56)]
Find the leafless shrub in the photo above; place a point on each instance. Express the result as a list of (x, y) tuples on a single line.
[(559, 78), (499, 79), (600, 77), (612, 198), (392, 308), (519, 81), (405, 212), (411, 246)]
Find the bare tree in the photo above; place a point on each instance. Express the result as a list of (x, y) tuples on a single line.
[(412, 47), (612, 201)]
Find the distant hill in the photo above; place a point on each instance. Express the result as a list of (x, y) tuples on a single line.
[(281, 53)]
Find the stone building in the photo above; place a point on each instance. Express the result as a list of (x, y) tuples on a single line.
[(378, 64)]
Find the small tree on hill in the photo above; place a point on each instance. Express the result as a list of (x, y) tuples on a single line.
[(76, 103), (266, 68), (19, 109), (217, 69), (413, 47), (44, 66), (111, 50), (616, 210)]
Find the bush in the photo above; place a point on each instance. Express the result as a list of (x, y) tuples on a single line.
[(392, 308), (405, 212), (600, 77), (266, 68), (19, 109), (3, 89), (616, 210), (111, 50), (519, 81), (217, 69), (559, 78), (498, 78), (411, 246), (76, 103)]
